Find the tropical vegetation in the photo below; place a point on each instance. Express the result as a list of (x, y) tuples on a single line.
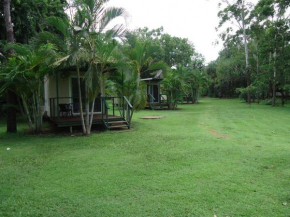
[(81, 38), (216, 156), (253, 64), (255, 59)]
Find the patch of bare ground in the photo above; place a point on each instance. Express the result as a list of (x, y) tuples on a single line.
[(152, 117), (217, 134)]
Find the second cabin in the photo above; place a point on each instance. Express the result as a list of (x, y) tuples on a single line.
[(155, 99)]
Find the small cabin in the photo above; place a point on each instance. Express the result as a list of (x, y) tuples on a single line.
[(155, 99), (62, 103)]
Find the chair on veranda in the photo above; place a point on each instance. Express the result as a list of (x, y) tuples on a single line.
[(65, 110)]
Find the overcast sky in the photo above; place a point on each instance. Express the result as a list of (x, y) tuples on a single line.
[(192, 19)]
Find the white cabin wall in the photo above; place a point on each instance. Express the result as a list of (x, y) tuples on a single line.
[(51, 90)]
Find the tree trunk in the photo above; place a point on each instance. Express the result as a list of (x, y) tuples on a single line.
[(171, 102), (103, 85), (80, 101), (8, 23), (274, 76), (248, 84), (87, 121), (248, 74), (11, 96), (92, 114), (197, 96), (274, 80), (11, 112), (26, 109), (39, 109), (282, 98), (192, 94)]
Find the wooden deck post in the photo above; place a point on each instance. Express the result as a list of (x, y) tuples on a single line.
[(57, 98), (122, 83)]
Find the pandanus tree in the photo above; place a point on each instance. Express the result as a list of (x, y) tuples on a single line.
[(25, 74)]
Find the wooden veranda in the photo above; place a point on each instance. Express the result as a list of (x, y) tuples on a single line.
[(113, 112)]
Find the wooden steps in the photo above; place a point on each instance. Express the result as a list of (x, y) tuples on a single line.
[(114, 125), (162, 106)]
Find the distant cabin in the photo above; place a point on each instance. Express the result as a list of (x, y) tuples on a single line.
[(155, 99)]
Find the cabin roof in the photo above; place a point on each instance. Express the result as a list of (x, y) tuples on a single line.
[(149, 76), (84, 69)]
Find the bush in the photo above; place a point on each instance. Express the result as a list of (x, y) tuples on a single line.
[(267, 102), (255, 93)]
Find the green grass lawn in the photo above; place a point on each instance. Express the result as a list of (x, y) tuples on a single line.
[(221, 157)]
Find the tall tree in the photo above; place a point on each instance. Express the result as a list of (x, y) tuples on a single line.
[(11, 97), (239, 11), (172, 51), (270, 15)]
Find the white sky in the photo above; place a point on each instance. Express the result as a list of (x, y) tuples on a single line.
[(192, 19)]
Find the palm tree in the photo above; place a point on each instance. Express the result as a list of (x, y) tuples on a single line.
[(104, 58), (70, 47), (93, 18), (141, 60), (82, 37)]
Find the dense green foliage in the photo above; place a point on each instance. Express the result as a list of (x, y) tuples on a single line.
[(254, 63), (216, 158), (187, 65), (268, 36), (83, 41), (173, 50), (29, 17), (24, 74)]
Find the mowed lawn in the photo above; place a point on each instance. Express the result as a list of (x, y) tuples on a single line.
[(221, 157)]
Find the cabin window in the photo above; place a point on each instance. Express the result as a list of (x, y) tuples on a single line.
[(75, 96)]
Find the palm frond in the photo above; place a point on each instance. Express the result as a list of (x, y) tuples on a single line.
[(159, 66), (110, 14), (60, 24), (20, 49), (60, 61)]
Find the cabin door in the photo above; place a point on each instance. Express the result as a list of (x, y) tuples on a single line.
[(153, 90), (75, 97)]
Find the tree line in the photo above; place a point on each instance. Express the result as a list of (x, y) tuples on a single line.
[(254, 63), (45, 37)]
